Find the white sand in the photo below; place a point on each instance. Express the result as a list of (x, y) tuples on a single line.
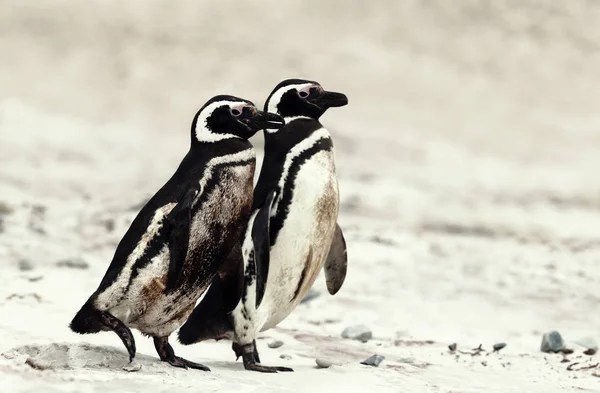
[(468, 165)]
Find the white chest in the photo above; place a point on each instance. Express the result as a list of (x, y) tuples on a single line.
[(303, 242)]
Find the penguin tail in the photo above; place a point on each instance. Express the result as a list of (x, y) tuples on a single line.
[(210, 319), (200, 327), (87, 320)]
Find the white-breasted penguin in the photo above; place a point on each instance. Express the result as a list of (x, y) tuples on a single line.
[(291, 234), (180, 238)]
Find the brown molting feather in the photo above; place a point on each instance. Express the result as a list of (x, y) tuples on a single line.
[(307, 265), (152, 291), (326, 208)]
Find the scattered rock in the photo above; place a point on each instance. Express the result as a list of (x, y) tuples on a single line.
[(35, 279), (374, 361), (275, 344), (587, 342), (38, 365), (5, 209), (566, 351), (323, 363), (452, 347), (284, 356), (75, 263), (310, 295), (497, 347), (36, 220), (132, 367), (590, 351), (109, 224), (24, 296), (358, 332), (552, 342), (381, 240), (25, 265)]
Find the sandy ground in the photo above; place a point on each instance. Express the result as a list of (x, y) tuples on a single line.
[(468, 167)]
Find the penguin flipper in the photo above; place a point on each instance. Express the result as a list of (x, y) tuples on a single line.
[(336, 264), (178, 222), (262, 246)]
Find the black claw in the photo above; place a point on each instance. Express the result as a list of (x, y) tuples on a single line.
[(166, 353), (124, 333), (251, 366)]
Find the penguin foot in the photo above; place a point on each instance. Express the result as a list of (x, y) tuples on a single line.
[(264, 369), (166, 354), (124, 333), (180, 362), (249, 355)]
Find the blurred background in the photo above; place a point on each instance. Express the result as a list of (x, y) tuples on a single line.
[(468, 156)]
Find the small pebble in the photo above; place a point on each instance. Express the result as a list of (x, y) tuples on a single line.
[(310, 295), (275, 344), (590, 351), (374, 361), (358, 332), (452, 347), (552, 342), (75, 263), (284, 356), (25, 265), (499, 346), (132, 367), (323, 363)]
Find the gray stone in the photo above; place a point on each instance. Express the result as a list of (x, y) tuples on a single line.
[(499, 346), (587, 342), (25, 265), (323, 363), (374, 361), (406, 360), (284, 356), (75, 263), (275, 344), (552, 342), (358, 332), (310, 295)]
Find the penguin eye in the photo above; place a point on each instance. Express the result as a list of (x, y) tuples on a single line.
[(303, 94), (236, 112)]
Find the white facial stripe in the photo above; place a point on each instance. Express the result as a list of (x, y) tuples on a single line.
[(294, 152), (276, 97), (203, 133)]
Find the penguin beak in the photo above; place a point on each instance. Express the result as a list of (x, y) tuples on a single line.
[(265, 120), (329, 99)]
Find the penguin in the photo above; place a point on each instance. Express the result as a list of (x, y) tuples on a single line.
[(292, 233), (181, 237)]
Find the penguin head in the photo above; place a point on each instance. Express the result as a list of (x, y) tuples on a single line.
[(225, 117), (298, 97)]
